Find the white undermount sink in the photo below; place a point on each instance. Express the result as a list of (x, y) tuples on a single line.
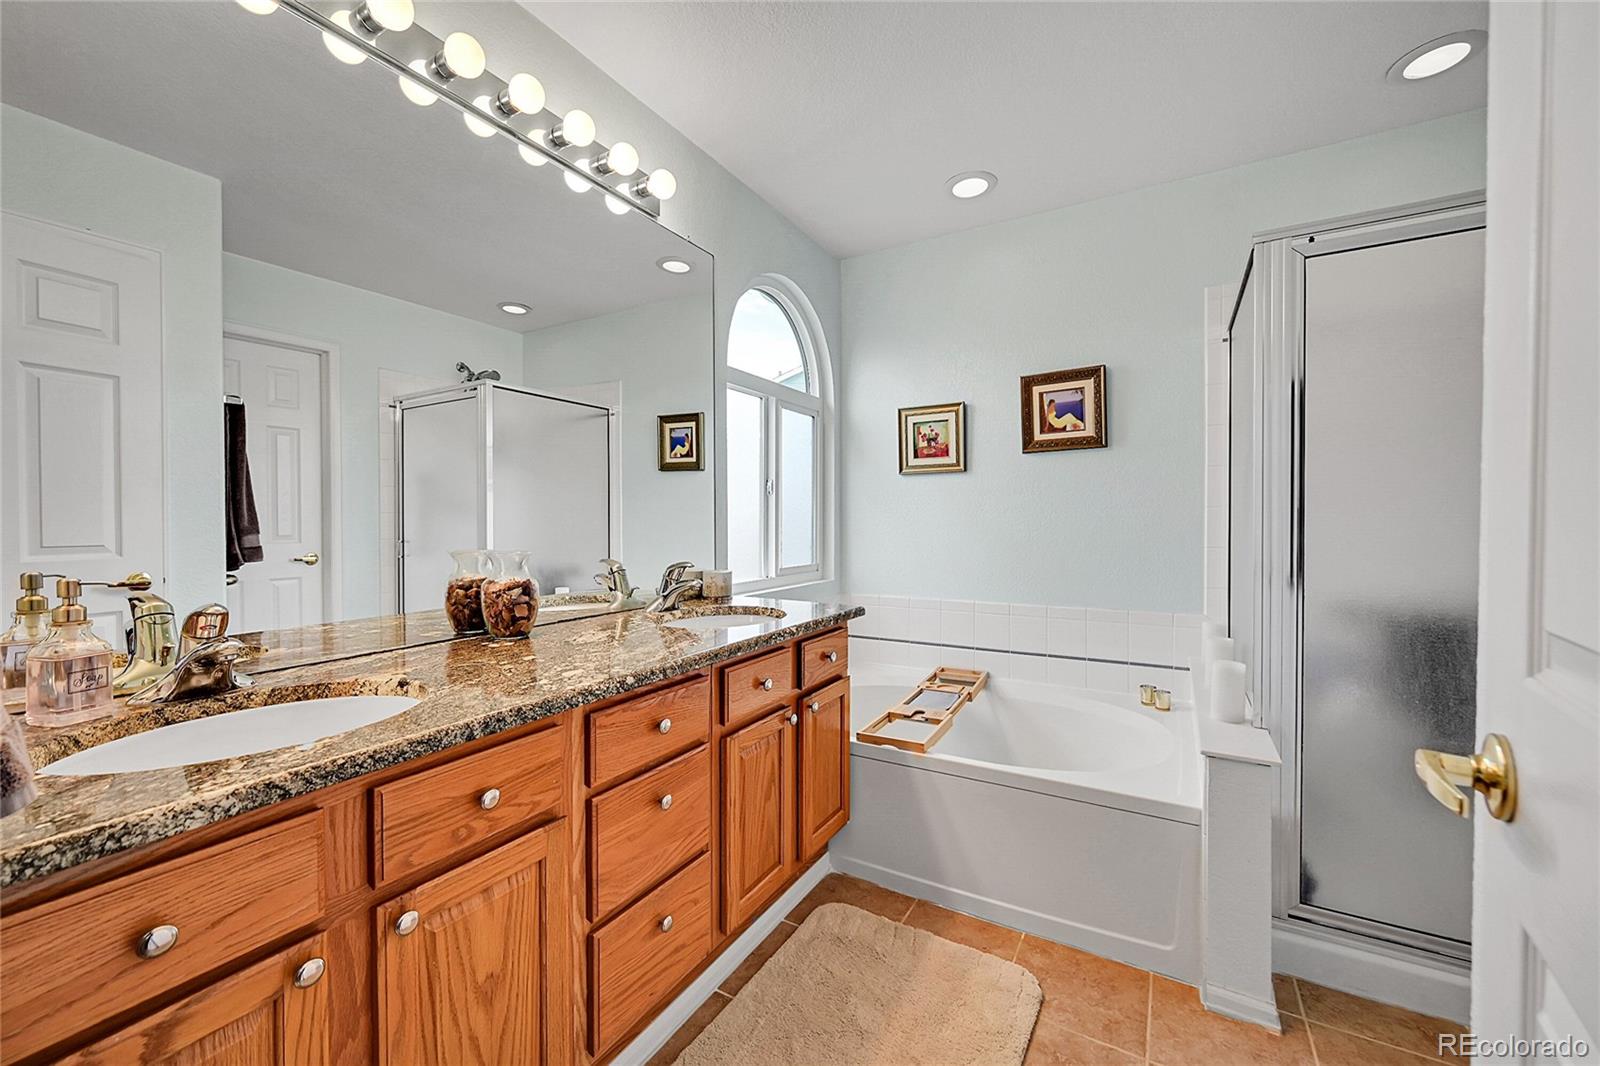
[(706, 623), (224, 736)]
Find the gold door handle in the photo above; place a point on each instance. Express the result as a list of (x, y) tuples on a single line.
[(1492, 772), (309, 558)]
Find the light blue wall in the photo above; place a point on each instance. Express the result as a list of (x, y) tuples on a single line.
[(1116, 281)]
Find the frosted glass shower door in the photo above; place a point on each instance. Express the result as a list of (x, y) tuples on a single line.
[(1393, 387)]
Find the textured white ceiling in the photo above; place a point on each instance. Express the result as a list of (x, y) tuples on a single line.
[(849, 117)]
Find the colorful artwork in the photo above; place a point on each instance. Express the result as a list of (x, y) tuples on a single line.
[(1064, 409), (933, 439), (678, 444)]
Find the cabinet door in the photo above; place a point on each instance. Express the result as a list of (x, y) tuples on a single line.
[(758, 820), (474, 966), (824, 798), (274, 1013)]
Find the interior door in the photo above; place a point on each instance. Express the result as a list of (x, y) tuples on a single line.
[(81, 442), (758, 819), (824, 799), (1536, 896), (282, 392)]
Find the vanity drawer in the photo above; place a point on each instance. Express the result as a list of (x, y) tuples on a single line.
[(433, 815), (75, 961), (641, 732), (824, 658), (639, 958), (644, 829), (757, 685)]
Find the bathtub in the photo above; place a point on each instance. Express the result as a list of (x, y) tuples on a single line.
[(1069, 814)]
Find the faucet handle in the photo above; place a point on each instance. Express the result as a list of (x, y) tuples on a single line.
[(204, 623), (673, 574)]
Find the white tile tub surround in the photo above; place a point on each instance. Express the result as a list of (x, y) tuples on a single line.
[(1077, 647)]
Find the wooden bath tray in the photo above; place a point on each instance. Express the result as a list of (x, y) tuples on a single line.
[(927, 712)]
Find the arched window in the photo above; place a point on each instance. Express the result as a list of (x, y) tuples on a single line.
[(774, 442)]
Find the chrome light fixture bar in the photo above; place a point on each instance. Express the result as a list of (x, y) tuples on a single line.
[(541, 136)]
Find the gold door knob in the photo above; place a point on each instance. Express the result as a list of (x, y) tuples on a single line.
[(309, 558), (1492, 772)]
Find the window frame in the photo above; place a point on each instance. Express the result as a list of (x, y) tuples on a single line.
[(775, 398)]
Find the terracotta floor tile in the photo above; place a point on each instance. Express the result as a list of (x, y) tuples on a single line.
[(1183, 1033), (689, 1030), (1288, 995), (757, 958), (1395, 1026), (842, 888), (1053, 1044), (964, 929), (1086, 994), (1336, 1048)]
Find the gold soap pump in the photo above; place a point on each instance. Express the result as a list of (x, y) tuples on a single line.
[(29, 625)]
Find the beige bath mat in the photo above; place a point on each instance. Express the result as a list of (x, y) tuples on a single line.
[(850, 987)]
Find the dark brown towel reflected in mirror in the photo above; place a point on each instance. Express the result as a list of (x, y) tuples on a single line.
[(244, 528)]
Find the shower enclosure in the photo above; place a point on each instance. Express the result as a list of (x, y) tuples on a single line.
[(1355, 389)]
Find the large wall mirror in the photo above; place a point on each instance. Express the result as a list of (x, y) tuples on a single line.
[(204, 205)]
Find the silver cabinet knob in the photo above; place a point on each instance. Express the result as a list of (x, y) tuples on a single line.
[(406, 924), (814, 706), (157, 941), (794, 719), (665, 726), (666, 924), (490, 799), (666, 802), (766, 683), (309, 973), (832, 656)]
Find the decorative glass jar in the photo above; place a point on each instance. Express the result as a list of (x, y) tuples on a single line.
[(510, 595), (463, 600)]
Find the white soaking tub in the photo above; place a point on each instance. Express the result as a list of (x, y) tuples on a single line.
[(1069, 814)]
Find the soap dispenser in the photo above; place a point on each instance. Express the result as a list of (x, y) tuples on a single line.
[(29, 624), (69, 671)]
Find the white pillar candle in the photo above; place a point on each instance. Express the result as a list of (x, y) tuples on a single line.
[(1227, 691), (1212, 651)]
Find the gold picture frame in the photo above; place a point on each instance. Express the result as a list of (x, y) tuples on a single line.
[(933, 439), (1064, 409), (684, 435)]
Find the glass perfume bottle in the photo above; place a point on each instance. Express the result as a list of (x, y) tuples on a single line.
[(29, 625), (69, 671)]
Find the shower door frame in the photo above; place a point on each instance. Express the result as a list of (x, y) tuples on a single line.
[(1278, 262)]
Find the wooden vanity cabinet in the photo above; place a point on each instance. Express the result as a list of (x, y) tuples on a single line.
[(823, 802), (758, 820)]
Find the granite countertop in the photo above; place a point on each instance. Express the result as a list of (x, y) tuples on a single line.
[(469, 688)]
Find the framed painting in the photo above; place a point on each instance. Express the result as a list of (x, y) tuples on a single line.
[(678, 442), (933, 439), (1064, 409)]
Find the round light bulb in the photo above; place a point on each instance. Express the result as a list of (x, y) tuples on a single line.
[(461, 57), (1436, 61), (531, 156), (673, 265), (971, 183), (259, 7), (524, 94), (394, 15), (577, 128), (511, 307), (661, 184), (340, 49), (477, 125), (616, 204), (623, 158), (414, 92), (575, 182)]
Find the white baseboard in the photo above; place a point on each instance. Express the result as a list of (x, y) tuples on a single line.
[(1245, 1008), (677, 1012), (1389, 974)]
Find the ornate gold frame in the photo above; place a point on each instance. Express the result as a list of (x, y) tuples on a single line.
[(958, 458), (1095, 375), (662, 421)]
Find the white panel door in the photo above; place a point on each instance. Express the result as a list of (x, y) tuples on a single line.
[(282, 392), (82, 454), (1536, 901)]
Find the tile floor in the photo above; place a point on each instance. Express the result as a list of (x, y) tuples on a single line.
[(1101, 1013)]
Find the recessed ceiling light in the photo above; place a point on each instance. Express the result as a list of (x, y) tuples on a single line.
[(1437, 56), (966, 185), (513, 308), (673, 265)]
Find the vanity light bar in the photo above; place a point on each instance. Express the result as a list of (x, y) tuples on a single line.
[(438, 68)]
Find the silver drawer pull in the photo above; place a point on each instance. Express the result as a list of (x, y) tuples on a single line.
[(157, 941), (832, 656), (666, 924), (665, 726), (309, 973), (666, 802), (794, 719), (766, 683), (406, 924), (490, 799), (814, 706)]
